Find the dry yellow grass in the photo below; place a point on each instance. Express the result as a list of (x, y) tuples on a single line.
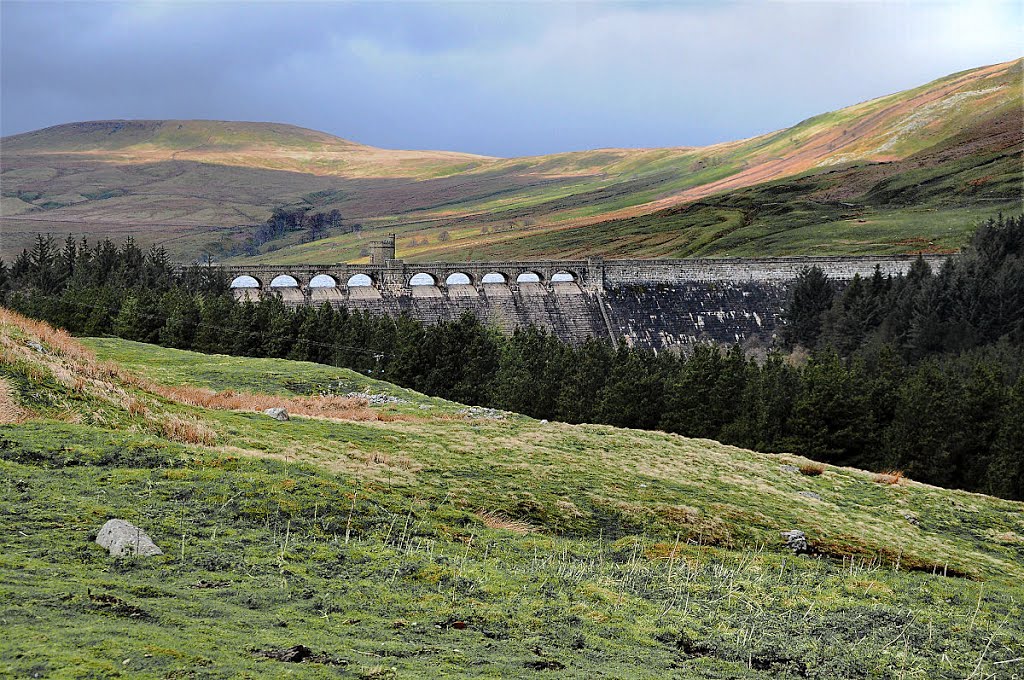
[(493, 520), (78, 368), (187, 431), (812, 469), (10, 411), (890, 477), (342, 408)]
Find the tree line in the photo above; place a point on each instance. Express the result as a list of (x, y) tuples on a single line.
[(922, 372), (285, 220)]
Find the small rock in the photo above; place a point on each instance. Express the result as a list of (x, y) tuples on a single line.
[(377, 399), (296, 654), (544, 422), (911, 517), (810, 494), (37, 347), (124, 538), (481, 412), (796, 541), (277, 413), (789, 468)]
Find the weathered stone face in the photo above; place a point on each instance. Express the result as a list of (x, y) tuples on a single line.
[(657, 304)]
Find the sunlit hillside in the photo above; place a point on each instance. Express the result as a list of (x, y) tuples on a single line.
[(404, 535), (200, 186)]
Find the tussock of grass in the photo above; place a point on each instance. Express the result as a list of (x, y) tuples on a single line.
[(187, 431), (812, 469), (10, 412), (890, 478), (494, 520)]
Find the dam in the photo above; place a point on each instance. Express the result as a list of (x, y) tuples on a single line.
[(658, 304)]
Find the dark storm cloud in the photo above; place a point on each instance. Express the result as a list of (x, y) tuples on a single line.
[(501, 78)]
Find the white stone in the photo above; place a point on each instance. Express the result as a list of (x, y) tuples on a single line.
[(124, 538)]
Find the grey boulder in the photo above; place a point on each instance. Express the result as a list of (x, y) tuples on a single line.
[(124, 538), (796, 541), (277, 413)]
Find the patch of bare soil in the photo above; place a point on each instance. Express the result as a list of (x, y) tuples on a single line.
[(300, 654)]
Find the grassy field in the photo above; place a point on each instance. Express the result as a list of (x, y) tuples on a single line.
[(421, 538), (198, 186)]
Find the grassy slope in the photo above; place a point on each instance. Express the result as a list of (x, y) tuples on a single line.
[(650, 555), (189, 183)]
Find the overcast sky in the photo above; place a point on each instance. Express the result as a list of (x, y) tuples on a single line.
[(502, 79)]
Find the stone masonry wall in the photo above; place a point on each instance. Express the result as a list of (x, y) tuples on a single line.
[(659, 304)]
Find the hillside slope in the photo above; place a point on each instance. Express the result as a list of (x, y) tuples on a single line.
[(418, 537), (194, 185)]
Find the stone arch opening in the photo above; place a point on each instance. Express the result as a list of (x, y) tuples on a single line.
[(494, 277), (359, 281), (458, 279), (245, 281), (284, 281), (423, 279), (564, 276), (323, 281), (528, 277)]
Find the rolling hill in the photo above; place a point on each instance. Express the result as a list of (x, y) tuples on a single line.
[(911, 171), (410, 536)]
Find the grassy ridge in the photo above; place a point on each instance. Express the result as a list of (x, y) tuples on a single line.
[(432, 540)]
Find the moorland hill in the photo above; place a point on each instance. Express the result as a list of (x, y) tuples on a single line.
[(906, 172)]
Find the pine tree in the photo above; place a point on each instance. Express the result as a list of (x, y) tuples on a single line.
[(183, 317), (809, 298), (633, 395), (1005, 473), (831, 418)]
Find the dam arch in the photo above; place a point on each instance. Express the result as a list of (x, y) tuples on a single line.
[(360, 281), (323, 281), (245, 281), (423, 279), (284, 281), (458, 279)]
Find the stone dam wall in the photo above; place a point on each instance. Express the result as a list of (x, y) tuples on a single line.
[(658, 304)]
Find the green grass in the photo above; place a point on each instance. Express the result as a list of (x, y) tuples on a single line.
[(652, 555)]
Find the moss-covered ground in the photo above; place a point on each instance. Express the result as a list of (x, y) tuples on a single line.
[(434, 541)]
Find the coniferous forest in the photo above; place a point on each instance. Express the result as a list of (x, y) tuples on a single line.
[(922, 373)]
